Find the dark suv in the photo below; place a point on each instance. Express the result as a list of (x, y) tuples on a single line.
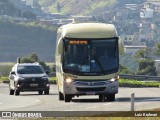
[(28, 77)]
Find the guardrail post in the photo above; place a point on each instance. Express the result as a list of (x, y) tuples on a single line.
[(132, 102)]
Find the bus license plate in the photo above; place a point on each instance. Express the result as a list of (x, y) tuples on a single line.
[(33, 85), (90, 93)]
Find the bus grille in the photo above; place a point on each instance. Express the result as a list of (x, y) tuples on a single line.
[(95, 89)]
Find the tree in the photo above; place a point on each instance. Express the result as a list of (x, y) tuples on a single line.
[(29, 15), (145, 63), (157, 51), (143, 54), (34, 58)]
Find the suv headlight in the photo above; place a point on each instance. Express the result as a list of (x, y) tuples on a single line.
[(21, 78), (45, 78)]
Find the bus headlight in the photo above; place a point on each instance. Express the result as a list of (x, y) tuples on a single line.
[(68, 80), (115, 78)]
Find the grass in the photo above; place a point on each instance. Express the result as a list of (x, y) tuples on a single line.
[(136, 83), (52, 80), (3, 79)]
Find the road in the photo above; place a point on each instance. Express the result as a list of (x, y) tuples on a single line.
[(145, 98)]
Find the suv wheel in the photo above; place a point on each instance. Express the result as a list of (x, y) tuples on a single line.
[(102, 98), (67, 98), (17, 92), (40, 92), (46, 92), (111, 97), (11, 92), (61, 96)]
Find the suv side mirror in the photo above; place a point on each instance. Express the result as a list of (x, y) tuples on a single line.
[(13, 73), (47, 72)]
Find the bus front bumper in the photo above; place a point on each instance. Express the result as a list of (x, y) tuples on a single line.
[(91, 87)]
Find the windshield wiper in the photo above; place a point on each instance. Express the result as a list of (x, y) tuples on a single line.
[(99, 64)]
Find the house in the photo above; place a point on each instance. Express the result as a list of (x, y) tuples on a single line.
[(128, 39), (133, 49), (81, 18)]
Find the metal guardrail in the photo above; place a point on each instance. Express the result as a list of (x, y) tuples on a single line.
[(140, 77)]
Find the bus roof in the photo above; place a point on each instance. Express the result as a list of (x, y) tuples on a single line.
[(88, 30)]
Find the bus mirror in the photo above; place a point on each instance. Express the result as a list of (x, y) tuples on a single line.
[(121, 46)]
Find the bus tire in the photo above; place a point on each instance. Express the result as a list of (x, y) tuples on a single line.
[(111, 97), (61, 96), (67, 98), (17, 92)]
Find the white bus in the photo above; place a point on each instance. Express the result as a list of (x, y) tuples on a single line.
[(87, 60)]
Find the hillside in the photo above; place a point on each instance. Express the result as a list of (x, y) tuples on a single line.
[(20, 40), (77, 7), (83, 7), (7, 8)]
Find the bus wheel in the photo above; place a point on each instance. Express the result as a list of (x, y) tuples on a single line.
[(17, 92), (67, 98), (61, 96), (102, 98), (111, 97)]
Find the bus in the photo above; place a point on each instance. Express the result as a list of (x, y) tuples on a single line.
[(87, 60)]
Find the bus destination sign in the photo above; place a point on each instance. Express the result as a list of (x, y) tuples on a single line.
[(78, 42)]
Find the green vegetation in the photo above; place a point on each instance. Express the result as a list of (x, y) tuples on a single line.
[(129, 63), (98, 5), (17, 39), (34, 58), (145, 63), (3, 79), (136, 83), (5, 69), (77, 7)]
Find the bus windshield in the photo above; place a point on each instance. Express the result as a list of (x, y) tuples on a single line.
[(90, 57)]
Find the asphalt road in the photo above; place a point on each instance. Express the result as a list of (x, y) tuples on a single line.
[(145, 98)]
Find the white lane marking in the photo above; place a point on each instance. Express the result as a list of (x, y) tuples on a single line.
[(69, 110), (37, 101), (54, 90), (107, 104), (91, 107)]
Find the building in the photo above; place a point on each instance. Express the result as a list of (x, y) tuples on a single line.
[(81, 18), (157, 65), (133, 49)]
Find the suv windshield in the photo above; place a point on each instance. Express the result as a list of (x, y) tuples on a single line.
[(30, 70), (98, 56)]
